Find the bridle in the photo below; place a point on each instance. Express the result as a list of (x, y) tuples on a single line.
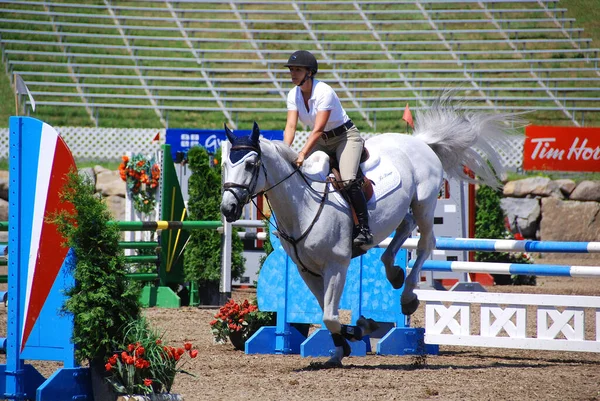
[(229, 186), (250, 188)]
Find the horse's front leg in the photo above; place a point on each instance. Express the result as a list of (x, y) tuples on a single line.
[(334, 279)]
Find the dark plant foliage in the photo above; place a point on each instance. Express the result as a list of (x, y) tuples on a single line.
[(490, 223), (102, 301), (203, 252)]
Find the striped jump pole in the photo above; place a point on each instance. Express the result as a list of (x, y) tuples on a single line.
[(497, 245), (509, 268)]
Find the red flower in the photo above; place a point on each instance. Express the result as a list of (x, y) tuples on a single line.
[(187, 346), (147, 382), (108, 367), (130, 347), (141, 363), (194, 353), (140, 351), (113, 359)]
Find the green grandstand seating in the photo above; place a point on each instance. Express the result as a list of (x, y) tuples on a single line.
[(200, 63)]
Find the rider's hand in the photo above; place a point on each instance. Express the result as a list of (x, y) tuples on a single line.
[(300, 159)]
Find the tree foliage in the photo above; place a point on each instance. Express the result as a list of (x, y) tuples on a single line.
[(490, 223), (203, 252), (102, 301)]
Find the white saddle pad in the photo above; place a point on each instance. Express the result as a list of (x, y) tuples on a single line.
[(380, 171)]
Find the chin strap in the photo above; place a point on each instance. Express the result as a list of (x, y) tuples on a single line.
[(304, 79)]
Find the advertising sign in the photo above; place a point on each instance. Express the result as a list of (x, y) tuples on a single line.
[(561, 149), (181, 140)]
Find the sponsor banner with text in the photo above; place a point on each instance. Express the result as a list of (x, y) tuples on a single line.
[(561, 149)]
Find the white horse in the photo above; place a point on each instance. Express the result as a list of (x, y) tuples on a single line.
[(316, 227)]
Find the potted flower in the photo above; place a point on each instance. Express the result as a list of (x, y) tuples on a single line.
[(238, 322), (143, 367), (141, 175)]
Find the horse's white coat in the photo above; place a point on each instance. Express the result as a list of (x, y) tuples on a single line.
[(444, 139)]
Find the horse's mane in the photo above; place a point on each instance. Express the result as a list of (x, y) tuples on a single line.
[(284, 150)]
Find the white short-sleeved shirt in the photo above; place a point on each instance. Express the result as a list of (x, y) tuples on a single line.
[(323, 97)]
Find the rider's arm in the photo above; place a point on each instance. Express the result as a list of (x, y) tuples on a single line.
[(290, 127), (313, 137)]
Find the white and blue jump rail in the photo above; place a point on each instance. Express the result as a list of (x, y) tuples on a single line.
[(493, 245), (503, 245)]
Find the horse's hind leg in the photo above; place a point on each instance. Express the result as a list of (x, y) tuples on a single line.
[(423, 213), (395, 274)]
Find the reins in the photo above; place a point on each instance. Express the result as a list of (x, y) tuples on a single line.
[(228, 186)]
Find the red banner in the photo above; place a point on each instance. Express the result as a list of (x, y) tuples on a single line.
[(561, 149)]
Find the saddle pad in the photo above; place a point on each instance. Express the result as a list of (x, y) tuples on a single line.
[(380, 171)]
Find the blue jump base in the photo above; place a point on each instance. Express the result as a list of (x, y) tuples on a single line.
[(366, 293)]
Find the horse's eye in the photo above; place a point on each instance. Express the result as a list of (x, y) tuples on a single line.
[(249, 165)]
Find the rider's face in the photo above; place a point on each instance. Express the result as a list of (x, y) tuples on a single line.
[(297, 74)]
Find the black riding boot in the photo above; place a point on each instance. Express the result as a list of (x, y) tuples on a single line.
[(359, 202)]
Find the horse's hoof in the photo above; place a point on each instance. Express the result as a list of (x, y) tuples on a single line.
[(410, 307), (367, 325), (396, 279), (333, 363)]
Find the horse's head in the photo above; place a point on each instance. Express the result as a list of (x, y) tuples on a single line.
[(241, 172)]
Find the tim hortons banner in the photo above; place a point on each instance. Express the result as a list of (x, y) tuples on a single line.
[(561, 149)]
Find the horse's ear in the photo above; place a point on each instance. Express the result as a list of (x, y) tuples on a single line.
[(229, 134), (255, 133)]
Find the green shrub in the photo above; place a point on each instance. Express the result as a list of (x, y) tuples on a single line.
[(102, 301), (203, 252), (490, 223)]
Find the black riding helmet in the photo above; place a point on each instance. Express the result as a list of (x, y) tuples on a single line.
[(303, 58)]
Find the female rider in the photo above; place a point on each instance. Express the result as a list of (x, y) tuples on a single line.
[(317, 105)]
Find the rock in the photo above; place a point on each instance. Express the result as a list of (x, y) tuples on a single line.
[(566, 186), (569, 221), (527, 213), (109, 183), (535, 186), (3, 210), (116, 205), (89, 173), (586, 191), (99, 169), (4, 188)]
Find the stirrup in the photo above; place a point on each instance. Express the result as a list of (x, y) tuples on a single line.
[(364, 237)]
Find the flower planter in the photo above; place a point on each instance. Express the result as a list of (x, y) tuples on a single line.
[(237, 340), (151, 397)]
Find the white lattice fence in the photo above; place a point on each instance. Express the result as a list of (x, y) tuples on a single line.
[(559, 321), (101, 144), (109, 144)]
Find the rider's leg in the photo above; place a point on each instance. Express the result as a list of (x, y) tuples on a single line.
[(359, 202), (348, 153)]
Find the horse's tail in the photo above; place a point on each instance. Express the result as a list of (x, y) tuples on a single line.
[(463, 138)]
